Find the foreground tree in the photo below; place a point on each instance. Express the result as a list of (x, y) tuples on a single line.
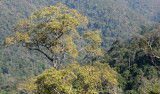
[(73, 79), (51, 31)]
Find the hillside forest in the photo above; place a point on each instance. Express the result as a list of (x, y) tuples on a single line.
[(79, 47)]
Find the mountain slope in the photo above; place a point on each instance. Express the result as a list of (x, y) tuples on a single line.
[(112, 18), (13, 10), (148, 8), (15, 62)]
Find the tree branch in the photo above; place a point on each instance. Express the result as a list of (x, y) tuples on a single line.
[(59, 36), (81, 50), (50, 58), (152, 60)]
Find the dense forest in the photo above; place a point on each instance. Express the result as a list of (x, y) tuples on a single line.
[(88, 47)]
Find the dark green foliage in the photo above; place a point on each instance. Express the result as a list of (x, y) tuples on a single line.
[(134, 66), (131, 92)]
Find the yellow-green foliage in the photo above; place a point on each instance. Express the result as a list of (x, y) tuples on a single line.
[(72, 79), (54, 29), (154, 88), (94, 41)]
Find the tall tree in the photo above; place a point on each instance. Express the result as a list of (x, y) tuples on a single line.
[(52, 31)]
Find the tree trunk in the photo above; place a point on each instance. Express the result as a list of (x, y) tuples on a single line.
[(55, 63), (129, 63)]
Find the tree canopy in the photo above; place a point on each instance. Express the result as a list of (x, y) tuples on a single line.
[(52, 31), (74, 79)]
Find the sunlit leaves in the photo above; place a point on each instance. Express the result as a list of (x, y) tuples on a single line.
[(94, 41), (154, 88), (23, 26), (52, 32), (9, 40), (72, 79), (24, 37), (53, 27)]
